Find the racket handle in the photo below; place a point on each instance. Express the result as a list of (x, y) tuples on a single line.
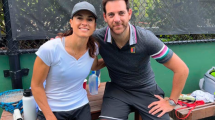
[(17, 115)]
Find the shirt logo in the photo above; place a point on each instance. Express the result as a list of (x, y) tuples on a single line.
[(132, 49)]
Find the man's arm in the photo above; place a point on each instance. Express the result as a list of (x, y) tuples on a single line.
[(98, 64), (180, 75), (181, 72)]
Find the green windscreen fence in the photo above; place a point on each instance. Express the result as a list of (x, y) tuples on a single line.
[(42, 19)]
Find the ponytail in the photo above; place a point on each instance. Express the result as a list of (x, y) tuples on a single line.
[(92, 47)]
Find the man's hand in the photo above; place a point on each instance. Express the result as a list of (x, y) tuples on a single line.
[(55, 37), (162, 106)]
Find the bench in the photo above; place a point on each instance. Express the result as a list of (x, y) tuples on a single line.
[(199, 112), (95, 102)]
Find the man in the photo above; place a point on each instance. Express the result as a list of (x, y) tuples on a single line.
[(126, 50)]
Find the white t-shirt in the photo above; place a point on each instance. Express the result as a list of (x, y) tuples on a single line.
[(64, 82)]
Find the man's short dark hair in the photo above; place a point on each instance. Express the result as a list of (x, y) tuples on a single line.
[(104, 2)]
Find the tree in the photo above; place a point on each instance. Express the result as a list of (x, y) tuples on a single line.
[(2, 24)]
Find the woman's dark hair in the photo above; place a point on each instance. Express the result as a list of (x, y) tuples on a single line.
[(90, 44), (104, 2)]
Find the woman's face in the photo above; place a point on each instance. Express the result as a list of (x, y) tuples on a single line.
[(83, 23)]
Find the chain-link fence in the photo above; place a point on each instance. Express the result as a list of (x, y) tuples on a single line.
[(8, 44), (29, 23), (177, 21)]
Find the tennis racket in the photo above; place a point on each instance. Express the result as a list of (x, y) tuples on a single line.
[(11, 101)]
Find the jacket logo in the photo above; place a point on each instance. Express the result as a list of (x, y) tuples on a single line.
[(132, 49)]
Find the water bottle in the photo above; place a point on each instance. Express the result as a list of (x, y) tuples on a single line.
[(93, 84), (29, 105)]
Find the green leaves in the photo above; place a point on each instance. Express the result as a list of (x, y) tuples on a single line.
[(2, 24)]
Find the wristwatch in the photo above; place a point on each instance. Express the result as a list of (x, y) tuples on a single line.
[(172, 102)]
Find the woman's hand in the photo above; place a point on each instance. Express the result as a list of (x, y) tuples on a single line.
[(51, 117)]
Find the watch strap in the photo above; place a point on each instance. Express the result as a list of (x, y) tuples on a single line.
[(172, 102)]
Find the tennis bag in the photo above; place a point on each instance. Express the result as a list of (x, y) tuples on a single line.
[(209, 81)]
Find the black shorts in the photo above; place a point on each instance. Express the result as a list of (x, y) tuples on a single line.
[(119, 102), (82, 113)]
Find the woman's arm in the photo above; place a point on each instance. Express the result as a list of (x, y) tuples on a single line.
[(98, 64), (40, 73)]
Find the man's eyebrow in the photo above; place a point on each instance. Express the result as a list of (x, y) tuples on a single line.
[(110, 13), (122, 11)]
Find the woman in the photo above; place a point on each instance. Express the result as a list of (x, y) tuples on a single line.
[(64, 63)]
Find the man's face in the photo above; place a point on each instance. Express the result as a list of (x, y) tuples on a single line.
[(117, 16)]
